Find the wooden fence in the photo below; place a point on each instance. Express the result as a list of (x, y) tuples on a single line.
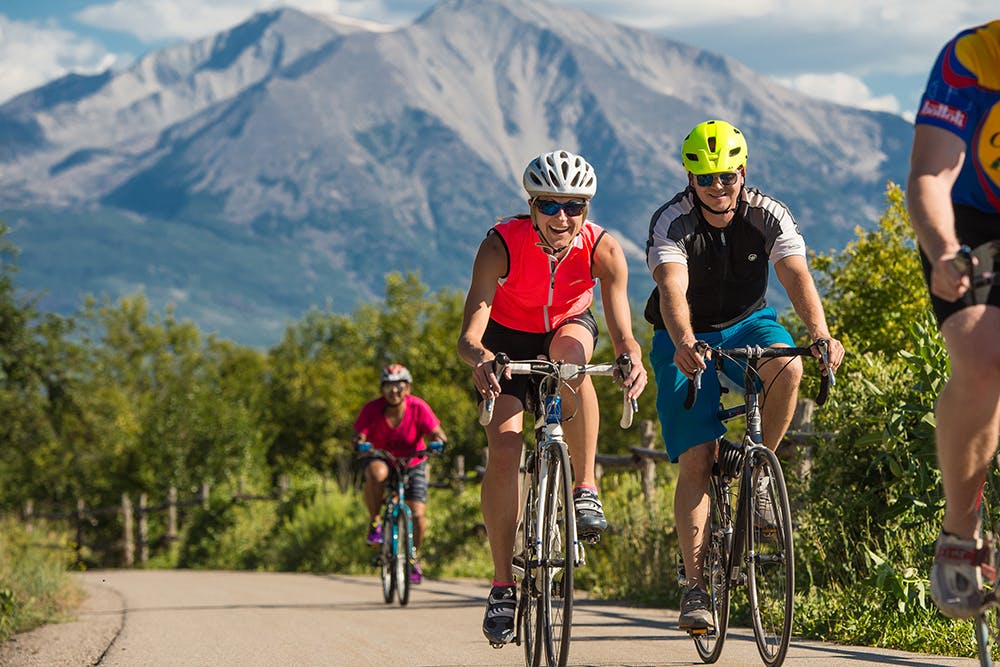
[(134, 542), (135, 520)]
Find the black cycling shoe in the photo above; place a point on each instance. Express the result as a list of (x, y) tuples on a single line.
[(590, 521), (498, 623)]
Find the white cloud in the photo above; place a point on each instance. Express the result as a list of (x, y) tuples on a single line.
[(843, 89), (35, 53), (166, 20)]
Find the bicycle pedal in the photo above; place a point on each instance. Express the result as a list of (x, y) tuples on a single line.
[(699, 632), (590, 538), (498, 644)]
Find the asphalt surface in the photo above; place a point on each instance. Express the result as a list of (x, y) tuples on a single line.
[(206, 619)]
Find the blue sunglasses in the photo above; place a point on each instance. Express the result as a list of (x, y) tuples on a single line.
[(549, 207), (726, 178)]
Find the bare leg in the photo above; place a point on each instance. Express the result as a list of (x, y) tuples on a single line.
[(419, 510), (499, 493), (691, 508), (968, 413), (376, 473), (781, 382)]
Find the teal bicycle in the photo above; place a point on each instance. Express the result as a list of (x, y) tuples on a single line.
[(395, 559)]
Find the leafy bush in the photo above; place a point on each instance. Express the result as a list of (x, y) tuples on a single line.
[(34, 587)]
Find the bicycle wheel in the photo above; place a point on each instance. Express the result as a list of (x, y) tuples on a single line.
[(526, 571), (987, 623), (771, 559), (709, 642), (557, 558), (386, 560), (402, 534)]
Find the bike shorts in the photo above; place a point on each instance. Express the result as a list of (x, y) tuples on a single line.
[(520, 345), (416, 485), (974, 228), (683, 429)]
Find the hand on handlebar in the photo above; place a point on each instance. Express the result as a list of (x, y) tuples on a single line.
[(830, 353), (951, 274), (689, 357)]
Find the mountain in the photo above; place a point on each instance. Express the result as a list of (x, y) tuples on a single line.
[(291, 161)]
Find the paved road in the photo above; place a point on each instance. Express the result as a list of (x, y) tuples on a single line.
[(177, 618)]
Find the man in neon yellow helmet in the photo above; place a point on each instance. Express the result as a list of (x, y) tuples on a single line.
[(709, 250)]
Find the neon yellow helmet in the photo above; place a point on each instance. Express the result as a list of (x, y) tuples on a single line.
[(714, 146)]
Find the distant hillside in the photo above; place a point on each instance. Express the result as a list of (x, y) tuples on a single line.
[(290, 161)]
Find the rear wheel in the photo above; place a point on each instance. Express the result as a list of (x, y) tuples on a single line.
[(709, 642), (403, 538), (986, 635), (387, 561), (771, 564), (557, 559)]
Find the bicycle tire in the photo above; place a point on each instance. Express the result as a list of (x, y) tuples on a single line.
[(387, 562), (526, 571), (715, 573), (986, 624), (558, 555), (985, 628), (403, 562), (771, 566)]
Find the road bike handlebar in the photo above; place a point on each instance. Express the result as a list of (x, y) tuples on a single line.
[(964, 263), (365, 448), (755, 352), (564, 371)]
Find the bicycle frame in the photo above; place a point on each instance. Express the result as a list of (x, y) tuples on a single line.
[(744, 551), (550, 549), (398, 552)]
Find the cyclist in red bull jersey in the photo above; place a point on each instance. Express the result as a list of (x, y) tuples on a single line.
[(953, 197), (530, 295)]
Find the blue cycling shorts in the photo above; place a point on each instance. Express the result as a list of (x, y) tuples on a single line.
[(683, 429)]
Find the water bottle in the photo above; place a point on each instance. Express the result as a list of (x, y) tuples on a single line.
[(681, 574), (363, 447), (435, 447)]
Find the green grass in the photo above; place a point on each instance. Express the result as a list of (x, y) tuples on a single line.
[(34, 586)]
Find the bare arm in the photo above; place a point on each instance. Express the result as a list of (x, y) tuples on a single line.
[(489, 266), (935, 163), (672, 282), (611, 270), (793, 272)]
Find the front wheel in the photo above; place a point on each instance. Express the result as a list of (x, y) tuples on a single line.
[(771, 559), (709, 642), (525, 567), (986, 634), (402, 535), (558, 557)]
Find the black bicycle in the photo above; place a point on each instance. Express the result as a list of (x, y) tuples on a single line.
[(749, 540), (982, 277), (547, 550), (398, 553)]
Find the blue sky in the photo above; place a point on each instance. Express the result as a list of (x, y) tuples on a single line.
[(868, 54)]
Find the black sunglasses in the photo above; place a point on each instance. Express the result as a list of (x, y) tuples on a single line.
[(726, 178), (549, 207)]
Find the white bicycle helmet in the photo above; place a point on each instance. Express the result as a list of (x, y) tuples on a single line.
[(396, 373), (560, 173)]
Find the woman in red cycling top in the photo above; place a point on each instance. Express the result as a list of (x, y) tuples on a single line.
[(530, 295)]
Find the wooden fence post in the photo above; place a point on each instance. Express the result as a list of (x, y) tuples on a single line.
[(647, 469), (81, 508), (143, 529), (460, 472), (128, 540), (172, 515), (282, 486), (29, 514), (204, 494)]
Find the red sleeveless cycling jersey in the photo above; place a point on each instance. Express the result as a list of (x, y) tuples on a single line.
[(539, 292)]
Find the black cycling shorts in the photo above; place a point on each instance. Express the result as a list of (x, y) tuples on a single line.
[(521, 345), (974, 228)]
